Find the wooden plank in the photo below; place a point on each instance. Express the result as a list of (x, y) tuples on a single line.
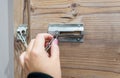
[(77, 73), (18, 13), (21, 16), (18, 20), (99, 55)]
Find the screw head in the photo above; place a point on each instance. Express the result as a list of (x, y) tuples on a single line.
[(78, 39)]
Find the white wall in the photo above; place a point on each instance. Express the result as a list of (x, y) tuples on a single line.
[(6, 39)]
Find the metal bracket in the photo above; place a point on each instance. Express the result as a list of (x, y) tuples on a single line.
[(22, 33), (68, 32)]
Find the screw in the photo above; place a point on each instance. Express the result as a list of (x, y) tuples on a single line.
[(78, 39)]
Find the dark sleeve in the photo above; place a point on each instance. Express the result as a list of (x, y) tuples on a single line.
[(38, 75)]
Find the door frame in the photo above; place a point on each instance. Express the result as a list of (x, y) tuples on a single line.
[(6, 39)]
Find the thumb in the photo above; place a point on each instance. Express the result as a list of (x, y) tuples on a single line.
[(55, 49), (22, 57)]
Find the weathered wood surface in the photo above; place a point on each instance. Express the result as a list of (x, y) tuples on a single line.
[(21, 16), (18, 47), (99, 55), (18, 13)]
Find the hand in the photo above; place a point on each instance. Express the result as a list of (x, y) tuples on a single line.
[(36, 59)]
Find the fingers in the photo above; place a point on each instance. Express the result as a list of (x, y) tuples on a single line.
[(55, 49), (39, 43), (22, 57), (30, 46)]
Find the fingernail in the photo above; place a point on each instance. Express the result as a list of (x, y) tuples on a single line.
[(56, 41)]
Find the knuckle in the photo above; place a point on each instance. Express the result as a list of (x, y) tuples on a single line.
[(34, 52), (26, 58), (39, 35)]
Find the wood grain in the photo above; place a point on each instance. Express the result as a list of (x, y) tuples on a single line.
[(21, 16), (18, 13), (80, 73), (18, 20), (99, 55)]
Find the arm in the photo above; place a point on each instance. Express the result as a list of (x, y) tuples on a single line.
[(38, 75), (36, 59)]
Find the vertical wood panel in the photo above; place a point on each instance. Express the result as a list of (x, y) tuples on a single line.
[(18, 20), (21, 16), (99, 55)]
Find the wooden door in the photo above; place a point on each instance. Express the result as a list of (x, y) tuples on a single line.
[(99, 55)]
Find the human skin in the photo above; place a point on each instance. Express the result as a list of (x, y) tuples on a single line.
[(36, 59)]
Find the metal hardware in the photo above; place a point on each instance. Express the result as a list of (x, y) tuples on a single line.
[(22, 34), (49, 44), (68, 32)]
